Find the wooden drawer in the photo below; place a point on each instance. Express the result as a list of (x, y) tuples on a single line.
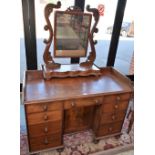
[(45, 142), (113, 106), (45, 128), (38, 118), (113, 117), (117, 98), (83, 102), (42, 107), (109, 129)]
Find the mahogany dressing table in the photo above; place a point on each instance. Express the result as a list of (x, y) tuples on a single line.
[(58, 101)]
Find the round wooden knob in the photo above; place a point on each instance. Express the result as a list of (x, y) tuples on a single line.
[(110, 129), (116, 106), (113, 117), (118, 98), (45, 117), (46, 141), (45, 129), (73, 103), (97, 101), (45, 107)]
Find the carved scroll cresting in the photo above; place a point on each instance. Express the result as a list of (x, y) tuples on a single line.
[(92, 55), (47, 54), (52, 69)]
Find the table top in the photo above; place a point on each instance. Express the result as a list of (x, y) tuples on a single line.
[(37, 89)]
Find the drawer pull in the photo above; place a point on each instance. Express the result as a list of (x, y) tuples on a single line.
[(45, 108), (116, 106), (118, 98), (45, 117), (113, 117), (73, 103), (110, 129), (45, 141), (96, 101), (46, 129)]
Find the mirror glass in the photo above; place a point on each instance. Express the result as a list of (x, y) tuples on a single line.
[(71, 33)]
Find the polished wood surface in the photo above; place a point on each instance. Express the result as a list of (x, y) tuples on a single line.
[(44, 125), (46, 106), (44, 129), (74, 44), (112, 106), (83, 102), (109, 129), (48, 59), (67, 105), (72, 70), (45, 142), (113, 117), (37, 89), (78, 119), (44, 117)]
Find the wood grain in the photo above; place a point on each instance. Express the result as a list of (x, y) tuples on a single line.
[(45, 142), (39, 90), (38, 118), (109, 129), (43, 107), (67, 105), (44, 129), (113, 107)]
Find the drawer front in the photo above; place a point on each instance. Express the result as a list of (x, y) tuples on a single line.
[(42, 107), (45, 142), (113, 117), (38, 118), (117, 98), (45, 128), (113, 106), (109, 129), (83, 102)]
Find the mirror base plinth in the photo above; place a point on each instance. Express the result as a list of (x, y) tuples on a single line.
[(86, 64), (53, 65), (72, 70)]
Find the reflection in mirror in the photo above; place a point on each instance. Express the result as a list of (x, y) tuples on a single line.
[(71, 34)]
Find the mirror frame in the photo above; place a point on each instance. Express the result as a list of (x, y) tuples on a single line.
[(47, 57), (78, 13)]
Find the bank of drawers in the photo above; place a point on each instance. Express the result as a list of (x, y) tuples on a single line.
[(112, 114), (44, 123), (44, 120)]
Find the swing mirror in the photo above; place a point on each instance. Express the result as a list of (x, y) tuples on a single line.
[(71, 33)]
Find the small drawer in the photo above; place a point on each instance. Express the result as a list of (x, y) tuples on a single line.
[(37, 118), (113, 117), (83, 102), (117, 98), (109, 129), (45, 128), (114, 107), (45, 142), (42, 107)]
